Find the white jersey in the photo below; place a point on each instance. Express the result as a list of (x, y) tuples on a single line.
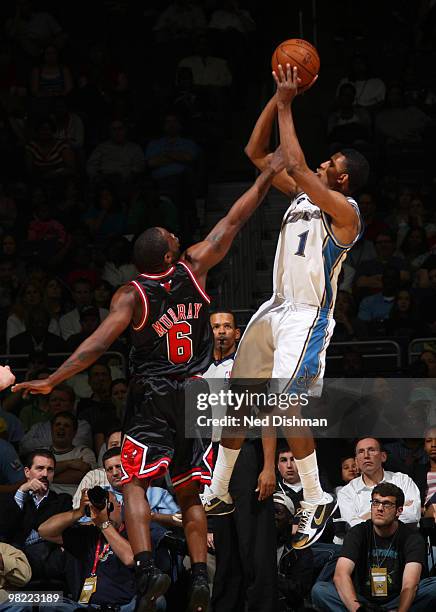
[(308, 257)]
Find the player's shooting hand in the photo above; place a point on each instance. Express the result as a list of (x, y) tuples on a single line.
[(34, 387), (287, 83), (266, 483)]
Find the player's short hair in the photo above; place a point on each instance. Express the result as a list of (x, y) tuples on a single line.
[(225, 310), (149, 250), (38, 452), (357, 169), (111, 452), (388, 489)]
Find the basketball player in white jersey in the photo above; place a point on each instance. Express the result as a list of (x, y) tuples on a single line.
[(287, 339)]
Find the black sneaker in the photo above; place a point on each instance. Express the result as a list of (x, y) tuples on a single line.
[(199, 595), (150, 584), (217, 506), (313, 520)]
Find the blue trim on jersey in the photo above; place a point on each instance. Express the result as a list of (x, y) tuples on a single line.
[(331, 253), (308, 371)]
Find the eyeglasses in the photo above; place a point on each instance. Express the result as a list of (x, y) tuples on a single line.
[(376, 503)]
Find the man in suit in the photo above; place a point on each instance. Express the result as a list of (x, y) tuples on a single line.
[(37, 336)]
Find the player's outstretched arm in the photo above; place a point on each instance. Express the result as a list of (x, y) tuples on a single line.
[(332, 202), (120, 315), (258, 147), (206, 254), (6, 377)]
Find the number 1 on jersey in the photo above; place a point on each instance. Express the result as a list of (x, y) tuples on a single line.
[(302, 244), (179, 343)]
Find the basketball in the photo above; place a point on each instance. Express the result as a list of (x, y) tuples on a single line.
[(300, 53)]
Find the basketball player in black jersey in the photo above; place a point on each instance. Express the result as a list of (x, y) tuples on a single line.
[(167, 309)]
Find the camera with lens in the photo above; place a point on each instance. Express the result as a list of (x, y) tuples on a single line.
[(99, 498)]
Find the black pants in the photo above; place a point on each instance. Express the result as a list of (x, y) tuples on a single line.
[(245, 543)]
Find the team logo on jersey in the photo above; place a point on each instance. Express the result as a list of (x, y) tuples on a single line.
[(166, 286)]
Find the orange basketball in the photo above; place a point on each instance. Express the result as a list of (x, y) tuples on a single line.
[(300, 53)]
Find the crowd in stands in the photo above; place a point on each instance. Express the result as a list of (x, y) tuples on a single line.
[(105, 131)]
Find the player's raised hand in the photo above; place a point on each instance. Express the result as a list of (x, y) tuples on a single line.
[(6, 377), (276, 161), (34, 387), (287, 83)]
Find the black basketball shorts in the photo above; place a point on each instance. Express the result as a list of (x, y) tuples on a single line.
[(154, 434)]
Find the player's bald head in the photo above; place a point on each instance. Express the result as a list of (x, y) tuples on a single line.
[(155, 249)]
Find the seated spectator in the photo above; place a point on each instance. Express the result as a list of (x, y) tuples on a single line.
[(370, 90), (33, 410), (15, 571), (207, 70), (403, 318), (369, 273), (89, 321), (11, 469), (105, 218), (230, 16), (46, 157), (415, 247), (119, 269), (348, 326), (295, 568), (54, 302), (119, 389), (72, 462), (98, 476), (33, 30), (98, 409), (51, 77), (34, 503), (424, 473), (82, 296), (103, 294), (376, 308), (349, 471), (61, 399), (45, 234), (179, 20), (37, 336), (373, 225), (355, 498), (117, 157), (347, 125), (399, 125), (429, 358), (14, 426), (382, 561), (8, 284), (29, 296), (406, 455)]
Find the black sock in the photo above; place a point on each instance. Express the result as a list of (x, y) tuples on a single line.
[(144, 559), (198, 568)]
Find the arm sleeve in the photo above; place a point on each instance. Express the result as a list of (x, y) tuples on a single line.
[(412, 500), (347, 506), (415, 549), (17, 570), (87, 455), (167, 504), (83, 436), (353, 543)]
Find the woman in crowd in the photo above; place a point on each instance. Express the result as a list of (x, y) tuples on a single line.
[(51, 77)]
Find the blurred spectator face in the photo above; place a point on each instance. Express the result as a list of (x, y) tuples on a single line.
[(9, 245), (51, 56), (39, 321), (172, 127), (42, 468), (60, 401), (429, 358), (405, 198), (367, 205), (369, 456), (112, 467), (100, 379), (82, 294), (282, 517), (102, 295), (114, 440), (32, 295), (225, 333), (288, 468), (403, 301), (385, 512), (430, 443), (416, 417), (346, 96), (384, 246), (118, 132), (63, 432), (349, 470), (119, 393), (417, 208), (53, 290), (89, 322), (381, 390)]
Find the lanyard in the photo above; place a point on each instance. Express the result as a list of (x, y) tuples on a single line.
[(106, 547), (380, 564)]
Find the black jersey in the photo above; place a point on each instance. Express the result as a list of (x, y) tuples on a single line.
[(174, 336)]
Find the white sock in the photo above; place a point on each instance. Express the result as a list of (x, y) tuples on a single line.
[(309, 475), (223, 470)]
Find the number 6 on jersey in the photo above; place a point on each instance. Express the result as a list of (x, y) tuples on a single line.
[(179, 343)]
